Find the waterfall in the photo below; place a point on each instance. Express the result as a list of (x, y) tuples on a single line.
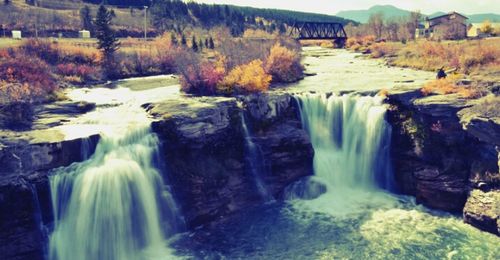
[(255, 161), (351, 141), (114, 205)]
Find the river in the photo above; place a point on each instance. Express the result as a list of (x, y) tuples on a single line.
[(115, 205)]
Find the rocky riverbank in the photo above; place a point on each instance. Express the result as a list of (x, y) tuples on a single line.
[(445, 151)]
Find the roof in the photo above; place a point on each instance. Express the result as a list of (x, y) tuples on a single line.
[(448, 14)]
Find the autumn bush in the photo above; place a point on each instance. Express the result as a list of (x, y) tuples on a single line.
[(78, 73), (247, 78), (283, 64), (25, 79), (245, 67), (382, 49)]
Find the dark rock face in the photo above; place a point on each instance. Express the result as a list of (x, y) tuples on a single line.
[(25, 201), (204, 151), (482, 210), (435, 159)]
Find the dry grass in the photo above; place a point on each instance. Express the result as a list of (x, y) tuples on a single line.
[(465, 56), (448, 86)]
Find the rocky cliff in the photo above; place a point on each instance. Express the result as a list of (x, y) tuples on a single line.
[(443, 149), (204, 150)]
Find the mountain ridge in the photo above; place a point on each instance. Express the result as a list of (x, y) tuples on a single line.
[(392, 12)]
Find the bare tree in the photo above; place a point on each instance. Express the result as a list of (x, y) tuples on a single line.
[(413, 22), (392, 28), (376, 24)]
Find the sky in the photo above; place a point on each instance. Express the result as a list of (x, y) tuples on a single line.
[(334, 6)]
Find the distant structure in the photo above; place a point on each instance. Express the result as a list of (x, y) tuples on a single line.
[(84, 34), (319, 31), (16, 34), (451, 26)]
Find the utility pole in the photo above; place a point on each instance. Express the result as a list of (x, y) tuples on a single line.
[(145, 23)]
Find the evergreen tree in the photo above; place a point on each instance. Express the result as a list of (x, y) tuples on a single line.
[(200, 45), (211, 44), (86, 18), (106, 39), (194, 45), (206, 43), (183, 40), (6, 2), (173, 39)]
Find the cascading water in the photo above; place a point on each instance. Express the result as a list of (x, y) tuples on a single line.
[(114, 205), (255, 161), (351, 141)]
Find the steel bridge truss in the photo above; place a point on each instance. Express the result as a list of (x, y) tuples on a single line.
[(318, 31)]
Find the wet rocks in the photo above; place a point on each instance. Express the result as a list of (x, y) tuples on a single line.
[(25, 201), (204, 151), (482, 210), (441, 148)]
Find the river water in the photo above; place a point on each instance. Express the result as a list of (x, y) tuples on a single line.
[(116, 206), (357, 217)]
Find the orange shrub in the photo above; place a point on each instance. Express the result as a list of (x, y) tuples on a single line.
[(246, 78), (28, 77), (283, 64), (382, 49), (84, 72), (201, 80)]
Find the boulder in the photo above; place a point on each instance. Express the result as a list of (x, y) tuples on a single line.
[(482, 210)]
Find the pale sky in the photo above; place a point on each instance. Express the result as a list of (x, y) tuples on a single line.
[(334, 6)]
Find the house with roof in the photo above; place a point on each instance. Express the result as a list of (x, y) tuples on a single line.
[(450, 26)]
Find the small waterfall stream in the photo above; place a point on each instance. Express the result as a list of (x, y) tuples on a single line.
[(255, 161)]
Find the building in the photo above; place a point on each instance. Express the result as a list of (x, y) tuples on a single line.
[(16, 35), (451, 26), (84, 34)]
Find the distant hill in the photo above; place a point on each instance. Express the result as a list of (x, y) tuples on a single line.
[(288, 16), (479, 18), (390, 11), (362, 16)]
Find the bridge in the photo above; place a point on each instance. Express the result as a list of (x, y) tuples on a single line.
[(319, 31)]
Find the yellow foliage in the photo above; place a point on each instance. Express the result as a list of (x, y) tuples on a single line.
[(486, 27), (251, 33), (246, 78), (220, 63), (283, 64)]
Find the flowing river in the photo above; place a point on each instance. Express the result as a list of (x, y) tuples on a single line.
[(115, 205)]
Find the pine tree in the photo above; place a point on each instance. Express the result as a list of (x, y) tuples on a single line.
[(6, 2), (206, 43), (106, 39), (86, 18), (194, 45), (173, 39), (200, 45), (211, 44), (183, 40)]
